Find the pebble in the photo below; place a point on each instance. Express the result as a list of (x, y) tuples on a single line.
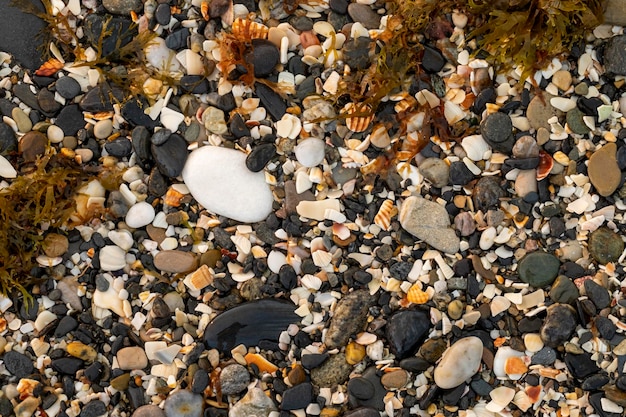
[(429, 222), (332, 372), (540, 110), (614, 61), (460, 174), (364, 14), (234, 379), (563, 290), (576, 122), (406, 331), (67, 87), (436, 171), (349, 317), (8, 140), (265, 56), (170, 157), (538, 269), (487, 193), (32, 145), (23, 122), (526, 182), (148, 411), (254, 403), (112, 258), (122, 7), (558, 326), (597, 294), (395, 379), (175, 261), (18, 364), (459, 362), (70, 120), (130, 358), (525, 147), (184, 403), (139, 215), (233, 190), (163, 14), (310, 152), (103, 129), (497, 130), (562, 79), (604, 173), (297, 397), (605, 245), (260, 156)]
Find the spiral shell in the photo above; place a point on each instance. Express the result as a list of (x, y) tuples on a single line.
[(50, 67), (359, 116), (245, 29), (416, 295), (384, 215)]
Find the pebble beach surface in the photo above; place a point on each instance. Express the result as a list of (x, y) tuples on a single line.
[(263, 247)]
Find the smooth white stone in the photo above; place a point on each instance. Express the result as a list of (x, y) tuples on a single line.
[(219, 180), (459, 362), (487, 238), (140, 215), (122, 238), (112, 258), (6, 169), (55, 134), (310, 152)]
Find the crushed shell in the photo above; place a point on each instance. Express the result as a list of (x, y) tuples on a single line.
[(263, 364), (416, 295), (385, 213)]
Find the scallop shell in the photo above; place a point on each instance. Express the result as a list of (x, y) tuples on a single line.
[(499, 304), (385, 213), (321, 258), (173, 197), (500, 398), (362, 118), (416, 295), (248, 29)]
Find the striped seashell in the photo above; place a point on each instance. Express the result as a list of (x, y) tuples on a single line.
[(416, 295), (50, 67), (245, 29), (200, 278), (384, 215), (362, 118), (173, 197)]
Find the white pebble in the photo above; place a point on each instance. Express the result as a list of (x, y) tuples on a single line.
[(55, 134), (103, 129), (139, 215), (310, 152)]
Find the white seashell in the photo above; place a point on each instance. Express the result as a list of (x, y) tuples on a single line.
[(499, 304), (303, 182), (453, 112), (334, 215), (563, 103), (191, 61), (322, 258), (499, 362), (46, 261), (199, 279), (341, 231), (311, 282), (243, 276), (242, 243), (112, 258), (522, 401), (6, 169), (171, 119), (289, 126), (487, 238), (316, 209), (476, 147), (500, 398), (275, 260), (324, 28)]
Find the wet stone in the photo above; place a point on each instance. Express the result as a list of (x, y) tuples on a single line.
[(234, 379), (575, 122), (265, 56), (67, 87), (171, 156), (332, 372), (70, 120), (122, 7), (558, 325), (32, 145), (605, 245), (563, 290), (497, 131), (163, 14), (49, 106), (349, 318), (614, 59), (260, 156), (195, 84), (538, 268), (297, 397), (597, 294), (364, 14), (406, 331), (432, 60), (18, 364), (119, 147), (580, 366), (274, 104), (604, 173)]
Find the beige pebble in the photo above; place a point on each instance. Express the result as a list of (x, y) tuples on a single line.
[(22, 120), (395, 379), (175, 261), (103, 129), (55, 134), (562, 79), (132, 357)]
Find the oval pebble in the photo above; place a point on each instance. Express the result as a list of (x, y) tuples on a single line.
[(310, 152), (112, 258), (140, 215), (103, 129), (459, 362), (55, 134)]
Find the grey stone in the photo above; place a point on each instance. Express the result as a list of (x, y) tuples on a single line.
[(332, 372), (615, 55), (234, 379), (559, 325), (436, 171), (429, 222), (254, 404), (122, 7), (349, 318), (184, 404)]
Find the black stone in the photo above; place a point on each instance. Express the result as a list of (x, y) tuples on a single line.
[(67, 87), (200, 381), (177, 40), (488, 95), (249, 323), (119, 32), (432, 60), (614, 59), (8, 140), (363, 412), (313, 360), (66, 325), (297, 397), (606, 327), (497, 130), (238, 126), (160, 136), (18, 35), (119, 147), (558, 325), (595, 400), (580, 366), (141, 143), (460, 173), (452, 396), (546, 356), (481, 387), (265, 56), (101, 98), (339, 6), (361, 388), (93, 408), (260, 156), (405, 332), (400, 270), (18, 364), (170, 157), (487, 193), (196, 84), (598, 294), (356, 52), (133, 112), (274, 104), (163, 14), (589, 106), (26, 96), (67, 366), (415, 364), (94, 372), (595, 382), (70, 120), (376, 399), (48, 105)]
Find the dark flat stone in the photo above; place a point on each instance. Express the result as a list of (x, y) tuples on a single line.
[(18, 33), (249, 323)]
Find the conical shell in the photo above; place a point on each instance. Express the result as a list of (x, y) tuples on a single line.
[(248, 29)]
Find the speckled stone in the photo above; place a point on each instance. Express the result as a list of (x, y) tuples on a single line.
[(558, 325), (332, 372), (538, 268), (605, 245), (349, 317)]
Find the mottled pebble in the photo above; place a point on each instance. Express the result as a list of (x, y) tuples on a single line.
[(459, 362)]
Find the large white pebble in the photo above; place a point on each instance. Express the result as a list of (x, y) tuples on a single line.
[(219, 180), (6, 169), (122, 238), (140, 215), (112, 258), (310, 152), (459, 362)]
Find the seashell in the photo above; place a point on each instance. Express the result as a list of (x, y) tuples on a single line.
[(416, 295), (515, 366), (503, 354), (204, 10), (499, 304), (385, 213), (359, 116), (341, 231), (365, 338), (533, 342), (534, 393), (379, 136), (500, 398), (26, 387), (263, 364), (173, 197), (522, 401), (545, 165), (199, 279), (248, 29), (321, 258), (49, 68)]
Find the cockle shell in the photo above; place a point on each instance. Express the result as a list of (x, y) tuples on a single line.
[(362, 118), (248, 29), (545, 165), (416, 295), (385, 213)]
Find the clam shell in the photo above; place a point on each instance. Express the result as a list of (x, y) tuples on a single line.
[(200, 278), (416, 295), (499, 304), (545, 165), (248, 29), (359, 116), (500, 398), (385, 213)]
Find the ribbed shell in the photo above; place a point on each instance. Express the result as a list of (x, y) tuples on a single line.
[(384, 215), (245, 29), (362, 118)]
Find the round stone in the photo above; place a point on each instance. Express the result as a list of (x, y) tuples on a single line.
[(32, 145), (184, 403), (525, 147), (497, 130), (604, 173), (538, 269), (310, 152), (140, 215), (149, 410), (487, 193), (234, 379), (55, 134), (265, 56), (605, 245), (540, 110), (55, 245), (67, 87), (459, 362), (559, 324), (460, 173), (163, 14), (103, 129)]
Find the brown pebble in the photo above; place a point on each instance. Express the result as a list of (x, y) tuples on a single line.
[(175, 261), (55, 245), (296, 375), (211, 257), (395, 379), (604, 173), (156, 233), (132, 357), (32, 145)]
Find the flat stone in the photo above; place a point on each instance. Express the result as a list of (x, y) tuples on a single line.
[(132, 357), (254, 403), (604, 173), (605, 245), (184, 403), (70, 120), (406, 331), (538, 268), (563, 290), (249, 323), (429, 222), (349, 317), (122, 7), (364, 14), (597, 293), (274, 104), (459, 362), (171, 156), (436, 171), (575, 122), (219, 180), (18, 364), (614, 59), (540, 110), (67, 87), (234, 379), (297, 397), (264, 57), (175, 261), (395, 379), (558, 325), (148, 410), (497, 130)]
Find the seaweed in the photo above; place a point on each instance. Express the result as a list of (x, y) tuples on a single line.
[(35, 201)]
